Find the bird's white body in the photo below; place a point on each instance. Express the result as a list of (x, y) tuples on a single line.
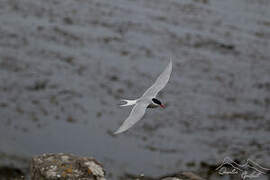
[(133, 102), (146, 101)]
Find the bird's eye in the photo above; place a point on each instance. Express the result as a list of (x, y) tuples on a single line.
[(156, 101)]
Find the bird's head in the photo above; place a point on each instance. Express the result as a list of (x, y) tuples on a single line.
[(157, 102)]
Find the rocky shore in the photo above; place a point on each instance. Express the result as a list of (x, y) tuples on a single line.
[(64, 166)]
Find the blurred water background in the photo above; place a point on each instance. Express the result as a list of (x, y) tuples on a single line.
[(64, 66)]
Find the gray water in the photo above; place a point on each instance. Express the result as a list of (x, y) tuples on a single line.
[(64, 66)]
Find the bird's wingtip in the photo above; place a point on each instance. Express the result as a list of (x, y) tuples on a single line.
[(118, 131)]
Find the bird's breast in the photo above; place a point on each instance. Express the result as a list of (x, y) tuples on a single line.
[(152, 105)]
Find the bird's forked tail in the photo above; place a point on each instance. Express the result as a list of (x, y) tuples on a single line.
[(128, 102)]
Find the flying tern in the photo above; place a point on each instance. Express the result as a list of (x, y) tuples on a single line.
[(147, 100)]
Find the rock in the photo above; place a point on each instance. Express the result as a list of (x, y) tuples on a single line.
[(70, 167), (176, 176), (65, 166), (9, 172), (183, 176)]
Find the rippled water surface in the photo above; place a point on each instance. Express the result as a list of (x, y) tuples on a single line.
[(64, 66)]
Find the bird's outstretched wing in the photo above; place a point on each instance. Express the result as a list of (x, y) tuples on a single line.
[(135, 115), (160, 83)]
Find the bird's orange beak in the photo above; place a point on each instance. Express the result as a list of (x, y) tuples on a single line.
[(162, 105)]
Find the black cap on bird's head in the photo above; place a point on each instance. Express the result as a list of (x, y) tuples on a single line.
[(156, 101)]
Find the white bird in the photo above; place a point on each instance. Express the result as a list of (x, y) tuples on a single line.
[(148, 100)]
